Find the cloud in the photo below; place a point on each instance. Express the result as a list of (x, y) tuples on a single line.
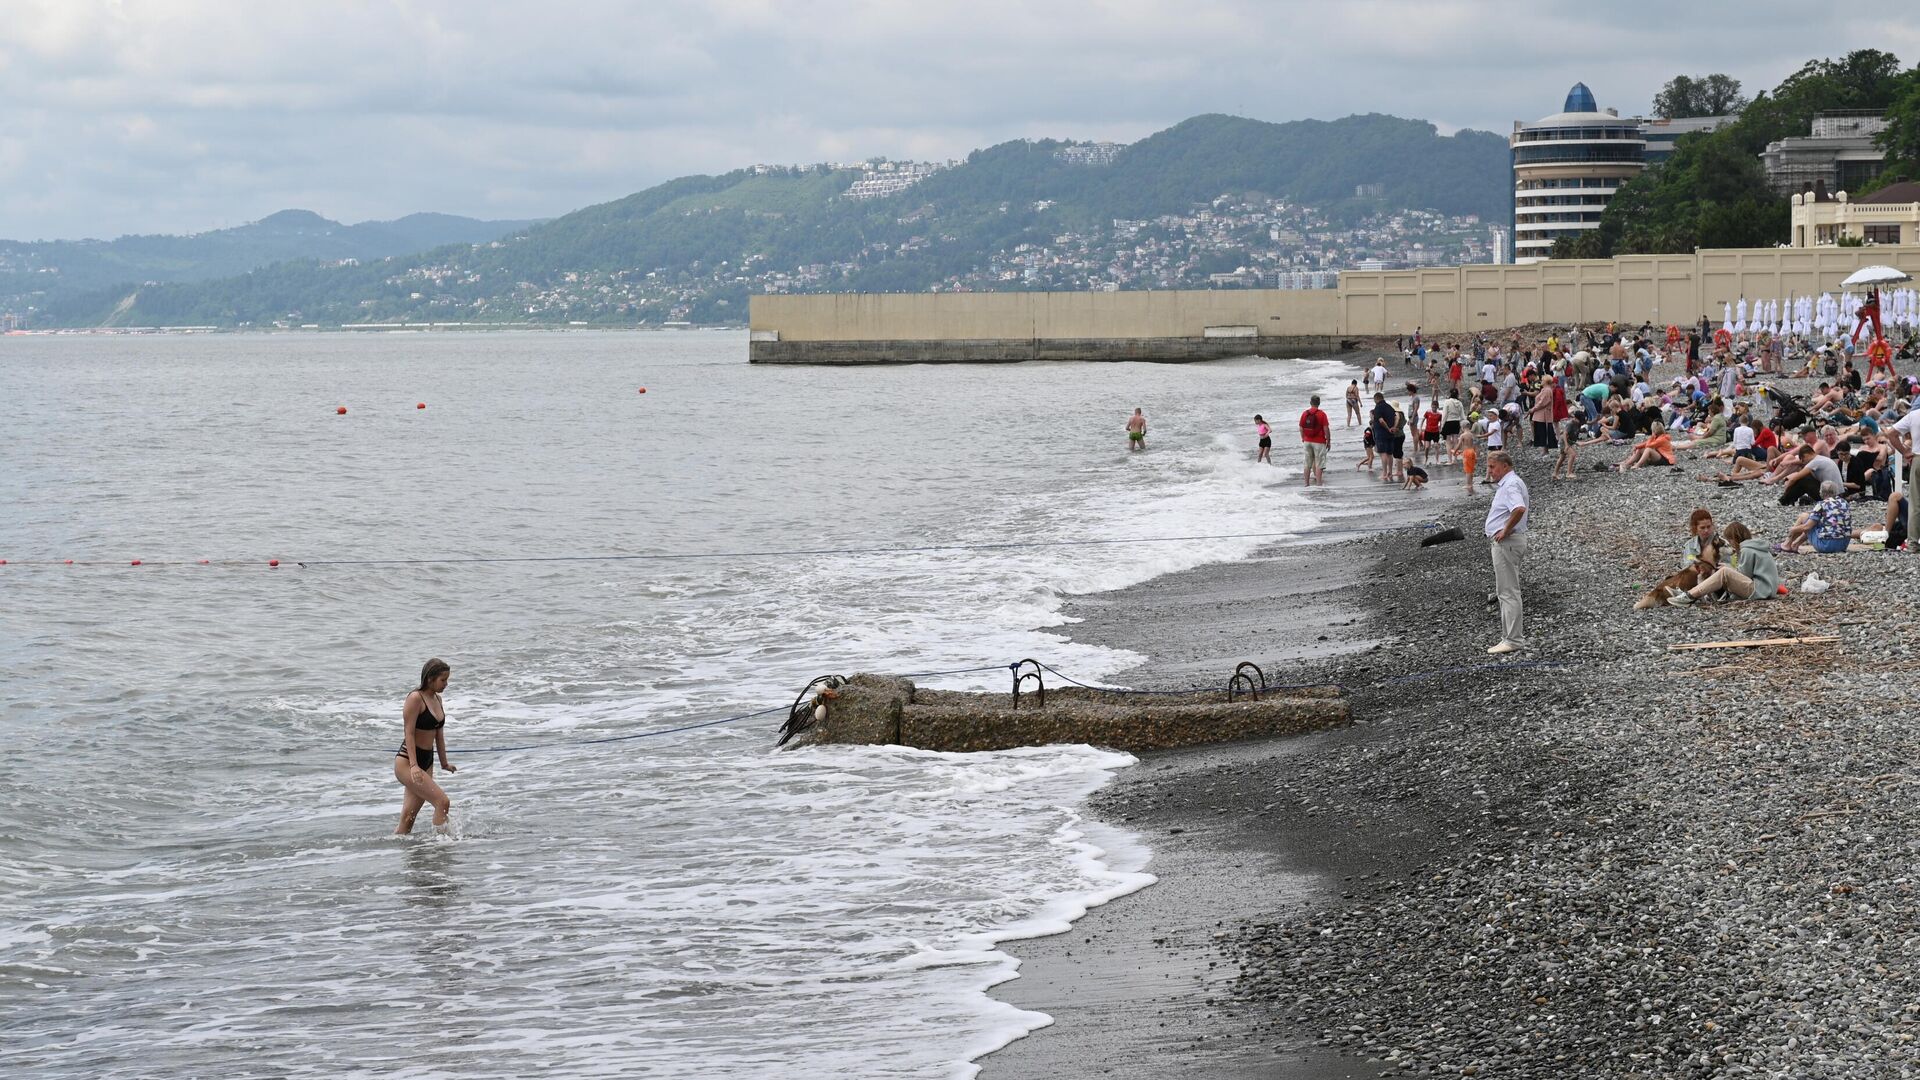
[(182, 115)]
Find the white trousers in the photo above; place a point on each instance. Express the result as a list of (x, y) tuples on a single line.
[(1508, 555)]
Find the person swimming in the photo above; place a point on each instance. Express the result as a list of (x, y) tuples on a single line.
[(422, 732)]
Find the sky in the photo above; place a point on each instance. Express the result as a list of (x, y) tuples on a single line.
[(170, 116)]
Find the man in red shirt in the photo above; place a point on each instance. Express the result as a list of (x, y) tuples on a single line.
[(1315, 431)]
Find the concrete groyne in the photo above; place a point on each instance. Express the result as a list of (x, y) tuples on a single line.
[(887, 711)]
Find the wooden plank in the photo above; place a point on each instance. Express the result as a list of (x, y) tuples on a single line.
[(1818, 640)]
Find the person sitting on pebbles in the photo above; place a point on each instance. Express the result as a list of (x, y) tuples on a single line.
[(1655, 449), (1750, 571), (1710, 435), (1829, 526)]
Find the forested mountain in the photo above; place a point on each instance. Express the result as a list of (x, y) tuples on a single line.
[(695, 247), (31, 272)]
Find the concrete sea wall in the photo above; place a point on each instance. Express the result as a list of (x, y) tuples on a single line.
[(848, 328), (880, 710)]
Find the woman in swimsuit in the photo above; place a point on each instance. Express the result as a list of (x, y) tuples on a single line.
[(1266, 438), (423, 721)]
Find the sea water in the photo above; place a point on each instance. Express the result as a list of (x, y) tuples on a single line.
[(197, 872)]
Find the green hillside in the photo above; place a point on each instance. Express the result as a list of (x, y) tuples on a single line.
[(705, 242)]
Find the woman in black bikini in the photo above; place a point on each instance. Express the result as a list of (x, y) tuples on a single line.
[(423, 721)]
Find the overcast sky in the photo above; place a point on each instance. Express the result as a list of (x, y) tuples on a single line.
[(122, 116)]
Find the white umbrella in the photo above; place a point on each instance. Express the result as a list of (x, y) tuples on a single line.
[(1877, 275), (1726, 317), (1740, 316)]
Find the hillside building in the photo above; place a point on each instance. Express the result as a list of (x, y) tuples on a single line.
[(1888, 216), (1568, 166), (1839, 152)]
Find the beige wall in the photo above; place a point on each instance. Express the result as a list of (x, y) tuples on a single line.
[(1026, 316), (1659, 288), (1663, 289)]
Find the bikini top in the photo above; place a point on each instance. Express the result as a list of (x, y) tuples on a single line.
[(426, 721)]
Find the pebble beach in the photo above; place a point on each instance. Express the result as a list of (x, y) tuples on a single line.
[(1596, 858)]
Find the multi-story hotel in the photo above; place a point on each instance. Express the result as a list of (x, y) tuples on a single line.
[(1565, 168)]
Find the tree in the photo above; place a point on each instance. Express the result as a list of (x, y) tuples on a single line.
[(1713, 95), (1901, 140)]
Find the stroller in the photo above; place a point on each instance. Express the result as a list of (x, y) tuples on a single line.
[(1791, 414)]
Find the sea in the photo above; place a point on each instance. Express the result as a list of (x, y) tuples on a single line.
[(198, 872)]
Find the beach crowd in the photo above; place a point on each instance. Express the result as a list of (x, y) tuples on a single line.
[(1710, 406)]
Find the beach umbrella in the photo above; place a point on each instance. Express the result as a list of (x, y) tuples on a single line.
[(1726, 317), (1740, 316), (1877, 275)]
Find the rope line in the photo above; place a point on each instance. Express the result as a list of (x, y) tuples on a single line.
[(1009, 545)]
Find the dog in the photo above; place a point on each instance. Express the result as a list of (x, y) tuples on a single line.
[(1659, 596)]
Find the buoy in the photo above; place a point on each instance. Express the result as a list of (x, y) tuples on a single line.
[(206, 562), (420, 405), (69, 562), (643, 389), (273, 562), (341, 411), (136, 562), (3, 562)]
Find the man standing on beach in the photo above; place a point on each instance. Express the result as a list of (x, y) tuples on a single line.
[(1315, 432), (1507, 528), (1137, 431)]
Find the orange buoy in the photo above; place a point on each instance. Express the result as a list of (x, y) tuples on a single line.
[(341, 411), (643, 389), (273, 562), (421, 405), (135, 562)]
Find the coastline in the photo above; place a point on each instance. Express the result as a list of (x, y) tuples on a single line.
[(1607, 859)]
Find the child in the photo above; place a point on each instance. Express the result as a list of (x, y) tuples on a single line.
[(1569, 449), (1366, 440), (1266, 438), (1416, 479), (1468, 457)]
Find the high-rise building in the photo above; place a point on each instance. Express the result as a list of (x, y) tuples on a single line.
[(1565, 169)]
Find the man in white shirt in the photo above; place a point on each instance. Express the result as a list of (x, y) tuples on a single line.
[(1378, 376), (1507, 528), (1904, 434)]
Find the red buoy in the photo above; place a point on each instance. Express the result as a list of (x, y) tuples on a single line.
[(206, 562), (273, 562), (421, 405), (341, 411), (3, 562), (643, 389), (69, 562), (135, 562)]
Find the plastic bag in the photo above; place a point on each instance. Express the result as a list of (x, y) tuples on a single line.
[(1814, 585)]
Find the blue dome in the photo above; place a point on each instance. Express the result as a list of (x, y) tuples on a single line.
[(1580, 99)]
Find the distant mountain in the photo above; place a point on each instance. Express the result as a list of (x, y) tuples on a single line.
[(694, 248), (32, 272)]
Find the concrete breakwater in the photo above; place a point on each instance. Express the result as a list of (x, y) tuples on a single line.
[(881, 710)]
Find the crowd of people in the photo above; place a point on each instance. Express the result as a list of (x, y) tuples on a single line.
[(1663, 400)]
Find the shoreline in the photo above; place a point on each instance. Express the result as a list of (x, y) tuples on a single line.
[(1633, 862)]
